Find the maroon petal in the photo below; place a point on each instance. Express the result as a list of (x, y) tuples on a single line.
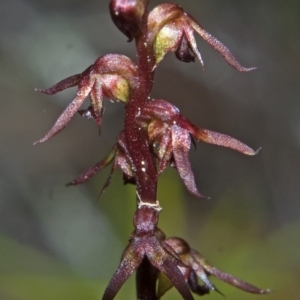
[(65, 83), (224, 140), (108, 179), (84, 89), (164, 258), (164, 151), (174, 274), (96, 96), (62, 85), (215, 138), (124, 164), (89, 173), (217, 45), (189, 32), (181, 143), (130, 262), (236, 282), (159, 109), (232, 280), (123, 160)]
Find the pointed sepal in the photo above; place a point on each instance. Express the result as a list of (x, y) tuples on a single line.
[(216, 138), (92, 171), (181, 144)]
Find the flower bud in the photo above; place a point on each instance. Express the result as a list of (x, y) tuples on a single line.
[(127, 16)]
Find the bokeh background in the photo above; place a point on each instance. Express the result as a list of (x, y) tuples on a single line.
[(60, 243)]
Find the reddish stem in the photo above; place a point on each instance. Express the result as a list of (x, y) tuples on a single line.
[(141, 153), (146, 276), (142, 156)]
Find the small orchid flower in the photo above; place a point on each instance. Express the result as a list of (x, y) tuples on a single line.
[(172, 30), (118, 156), (111, 76), (197, 268), (148, 242), (172, 132)]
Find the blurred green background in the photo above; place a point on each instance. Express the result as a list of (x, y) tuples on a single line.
[(59, 243)]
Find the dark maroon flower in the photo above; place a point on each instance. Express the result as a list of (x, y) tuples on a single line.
[(148, 242), (111, 76), (172, 30), (171, 132), (118, 156), (197, 268)]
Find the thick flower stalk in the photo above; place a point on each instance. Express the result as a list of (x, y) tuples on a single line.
[(155, 135)]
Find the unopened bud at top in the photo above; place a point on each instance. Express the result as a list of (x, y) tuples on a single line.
[(127, 16)]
